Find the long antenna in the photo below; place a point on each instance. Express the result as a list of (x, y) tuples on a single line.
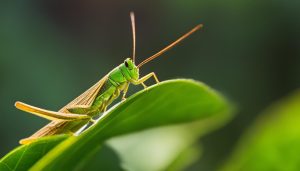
[(133, 35), (171, 45)]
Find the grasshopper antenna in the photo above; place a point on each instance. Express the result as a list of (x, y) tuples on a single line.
[(171, 45), (133, 35)]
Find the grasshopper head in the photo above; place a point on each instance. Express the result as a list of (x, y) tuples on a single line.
[(131, 68)]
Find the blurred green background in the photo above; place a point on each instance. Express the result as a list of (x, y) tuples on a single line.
[(51, 51)]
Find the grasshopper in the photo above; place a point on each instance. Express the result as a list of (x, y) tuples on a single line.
[(94, 101)]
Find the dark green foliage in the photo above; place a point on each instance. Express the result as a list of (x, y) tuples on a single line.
[(273, 142)]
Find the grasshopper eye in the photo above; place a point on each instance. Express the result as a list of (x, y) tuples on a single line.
[(126, 64)]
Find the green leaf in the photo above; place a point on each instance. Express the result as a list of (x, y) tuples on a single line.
[(23, 157), (273, 142), (168, 103)]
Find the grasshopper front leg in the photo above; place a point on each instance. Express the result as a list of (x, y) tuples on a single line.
[(145, 78), (125, 91)]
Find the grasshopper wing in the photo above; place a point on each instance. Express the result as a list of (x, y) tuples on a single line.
[(87, 98), (54, 127)]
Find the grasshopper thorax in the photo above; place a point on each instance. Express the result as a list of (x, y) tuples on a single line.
[(130, 70)]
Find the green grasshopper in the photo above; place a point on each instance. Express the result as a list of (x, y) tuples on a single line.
[(79, 112)]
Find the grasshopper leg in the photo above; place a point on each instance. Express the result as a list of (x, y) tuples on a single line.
[(79, 109), (145, 78), (51, 115), (93, 121), (125, 91)]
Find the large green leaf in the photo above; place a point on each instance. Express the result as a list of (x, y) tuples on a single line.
[(170, 102), (189, 103), (273, 142)]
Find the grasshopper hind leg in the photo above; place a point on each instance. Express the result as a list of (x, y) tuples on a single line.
[(51, 115), (27, 140), (31, 139), (79, 109)]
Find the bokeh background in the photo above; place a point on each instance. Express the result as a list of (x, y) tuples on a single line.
[(52, 50)]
